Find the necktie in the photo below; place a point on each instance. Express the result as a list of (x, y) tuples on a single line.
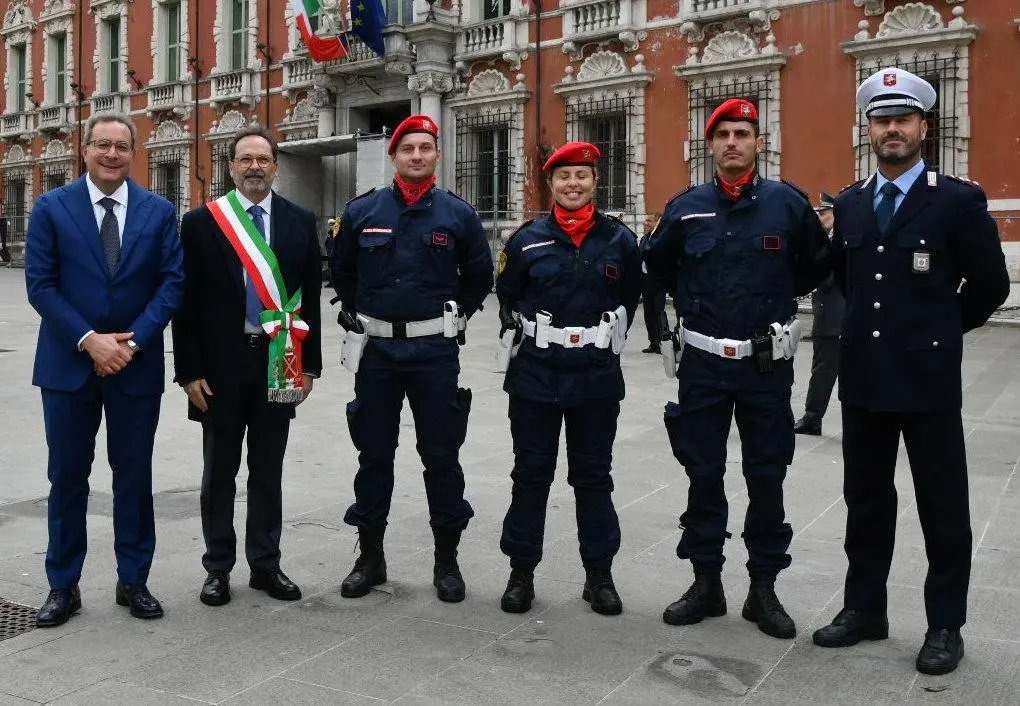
[(887, 206), (253, 305), (109, 234)]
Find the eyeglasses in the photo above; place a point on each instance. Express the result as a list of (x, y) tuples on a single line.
[(262, 161), (105, 146)]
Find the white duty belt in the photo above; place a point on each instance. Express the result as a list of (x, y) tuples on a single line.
[(611, 331), (411, 329), (568, 336), (784, 342)]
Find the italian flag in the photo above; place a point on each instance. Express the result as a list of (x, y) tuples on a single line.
[(320, 48)]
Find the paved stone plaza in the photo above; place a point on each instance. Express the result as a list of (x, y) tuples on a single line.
[(400, 644)]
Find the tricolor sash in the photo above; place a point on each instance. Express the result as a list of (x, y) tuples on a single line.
[(282, 317)]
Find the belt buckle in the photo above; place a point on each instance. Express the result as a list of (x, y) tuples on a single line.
[(399, 329), (254, 340), (573, 336), (729, 347)]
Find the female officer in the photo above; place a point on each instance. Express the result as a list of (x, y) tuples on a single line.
[(569, 284)]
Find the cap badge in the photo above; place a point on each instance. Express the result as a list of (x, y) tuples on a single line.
[(889, 79), (427, 124), (745, 109), (586, 154)]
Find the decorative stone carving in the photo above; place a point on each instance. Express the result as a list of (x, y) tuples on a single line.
[(912, 18), (56, 7), (728, 46), (602, 64), (54, 149), (398, 68), (18, 13), (169, 130), (871, 7), (306, 109), (430, 82), (320, 97), (16, 154), (488, 82), (231, 122)]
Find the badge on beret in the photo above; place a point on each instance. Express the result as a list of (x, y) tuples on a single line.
[(745, 109), (922, 262), (501, 265), (427, 124)]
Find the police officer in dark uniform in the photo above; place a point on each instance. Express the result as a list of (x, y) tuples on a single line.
[(653, 298), (737, 251), (826, 319), (410, 265), (568, 287), (919, 260)]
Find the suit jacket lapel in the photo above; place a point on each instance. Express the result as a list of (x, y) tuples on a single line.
[(915, 201), (79, 205), (138, 215), (278, 240)]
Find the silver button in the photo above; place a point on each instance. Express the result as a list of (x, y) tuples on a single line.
[(876, 334), (878, 276), (935, 344), (881, 248), (877, 305), (922, 241)]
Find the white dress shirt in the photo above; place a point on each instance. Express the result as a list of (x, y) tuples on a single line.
[(119, 210)]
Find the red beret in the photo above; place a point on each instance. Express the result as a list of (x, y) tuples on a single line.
[(573, 154), (732, 109), (415, 123)]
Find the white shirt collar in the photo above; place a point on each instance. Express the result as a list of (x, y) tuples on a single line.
[(247, 203), (95, 194)]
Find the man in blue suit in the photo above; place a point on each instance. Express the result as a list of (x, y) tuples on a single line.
[(104, 270)]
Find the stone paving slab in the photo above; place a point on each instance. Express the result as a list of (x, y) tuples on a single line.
[(399, 644)]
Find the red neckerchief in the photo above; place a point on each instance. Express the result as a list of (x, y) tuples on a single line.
[(413, 191), (735, 189), (576, 224)]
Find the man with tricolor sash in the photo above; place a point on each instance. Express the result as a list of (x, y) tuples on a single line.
[(410, 265), (247, 348)]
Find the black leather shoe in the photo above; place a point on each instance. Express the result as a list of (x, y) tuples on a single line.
[(850, 627), (600, 591), (60, 605), (704, 599), (519, 593), (652, 348), (370, 567), (763, 607), (216, 589), (446, 576), (137, 597), (812, 426), (276, 584), (941, 652)]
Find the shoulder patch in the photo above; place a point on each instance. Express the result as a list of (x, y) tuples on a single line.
[(361, 196), (962, 180), (797, 189), (678, 194), (850, 186), (458, 197)]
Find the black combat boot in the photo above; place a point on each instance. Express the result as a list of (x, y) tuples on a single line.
[(520, 591), (763, 607), (704, 599), (446, 574), (600, 591), (370, 568)]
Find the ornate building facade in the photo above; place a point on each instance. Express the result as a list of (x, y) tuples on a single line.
[(507, 84)]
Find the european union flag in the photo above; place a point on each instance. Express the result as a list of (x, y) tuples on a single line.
[(368, 18)]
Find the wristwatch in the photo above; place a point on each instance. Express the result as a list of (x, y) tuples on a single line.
[(133, 346)]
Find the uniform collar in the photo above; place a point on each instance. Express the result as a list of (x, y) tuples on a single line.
[(904, 181)]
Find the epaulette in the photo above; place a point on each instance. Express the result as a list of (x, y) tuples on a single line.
[(797, 189), (850, 186), (678, 194), (962, 180), (501, 260), (361, 196), (458, 197)]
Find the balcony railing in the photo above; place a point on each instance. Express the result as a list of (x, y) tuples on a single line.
[(597, 16), (14, 125), (719, 7), (168, 96), (231, 86), (111, 103), (55, 117), (297, 71), (485, 38)]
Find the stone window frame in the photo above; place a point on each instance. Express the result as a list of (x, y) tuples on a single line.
[(917, 30), (57, 18), (221, 37), (57, 155), (172, 141), (604, 77), (158, 44), (18, 162), (490, 92), (18, 28), (103, 10)]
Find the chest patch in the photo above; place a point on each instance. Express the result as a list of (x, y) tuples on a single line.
[(771, 243), (612, 272), (922, 262), (440, 240)]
